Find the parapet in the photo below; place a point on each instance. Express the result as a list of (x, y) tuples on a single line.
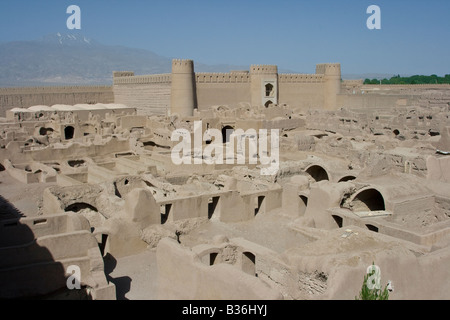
[(117, 74), (263, 69), (182, 66), (212, 77), (147, 79), (329, 69)]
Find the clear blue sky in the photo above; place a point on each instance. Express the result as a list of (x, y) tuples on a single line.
[(296, 35)]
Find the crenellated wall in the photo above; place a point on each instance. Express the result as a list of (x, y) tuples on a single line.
[(183, 90)]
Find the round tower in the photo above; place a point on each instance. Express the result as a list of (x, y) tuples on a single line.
[(332, 83), (264, 85), (182, 94)]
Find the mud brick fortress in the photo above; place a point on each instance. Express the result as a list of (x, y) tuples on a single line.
[(262, 85), (86, 174), (184, 91)]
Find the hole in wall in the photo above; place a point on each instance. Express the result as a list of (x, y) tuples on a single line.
[(213, 208), (249, 263), (80, 206), (69, 132), (165, 212), (339, 220), (213, 258), (372, 227), (347, 178), (259, 204)]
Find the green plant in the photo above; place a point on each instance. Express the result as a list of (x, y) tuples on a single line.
[(372, 294)]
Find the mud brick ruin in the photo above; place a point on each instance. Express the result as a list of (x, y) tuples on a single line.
[(363, 177)]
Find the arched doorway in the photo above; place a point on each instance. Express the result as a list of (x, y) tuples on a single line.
[(268, 103), (368, 200)]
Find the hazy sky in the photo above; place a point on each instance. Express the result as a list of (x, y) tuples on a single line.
[(296, 35)]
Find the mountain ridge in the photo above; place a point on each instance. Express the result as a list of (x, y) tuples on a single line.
[(73, 59)]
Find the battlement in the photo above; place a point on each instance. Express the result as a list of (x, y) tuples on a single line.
[(117, 74), (263, 69), (182, 66), (222, 77), (330, 69), (146, 79), (300, 78)]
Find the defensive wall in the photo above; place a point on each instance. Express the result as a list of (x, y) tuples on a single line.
[(184, 90), (70, 95)]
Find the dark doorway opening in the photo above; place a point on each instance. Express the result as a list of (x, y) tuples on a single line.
[(165, 211), (213, 207), (347, 178), (317, 173), (79, 206), (227, 131), (368, 200), (69, 132), (259, 204), (249, 263), (213, 258), (339, 221), (372, 227)]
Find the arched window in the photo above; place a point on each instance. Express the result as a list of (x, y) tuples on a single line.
[(269, 90), (268, 103)]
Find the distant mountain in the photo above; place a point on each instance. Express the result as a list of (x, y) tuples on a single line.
[(73, 59)]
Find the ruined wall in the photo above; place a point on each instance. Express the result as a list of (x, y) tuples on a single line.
[(48, 96), (148, 94), (372, 101)]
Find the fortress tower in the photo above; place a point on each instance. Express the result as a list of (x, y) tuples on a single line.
[(332, 83), (264, 85), (182, 95)]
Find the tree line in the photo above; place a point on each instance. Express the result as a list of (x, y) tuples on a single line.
[(417, 79)]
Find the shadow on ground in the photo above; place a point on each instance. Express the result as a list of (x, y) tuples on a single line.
[(123, 284)]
